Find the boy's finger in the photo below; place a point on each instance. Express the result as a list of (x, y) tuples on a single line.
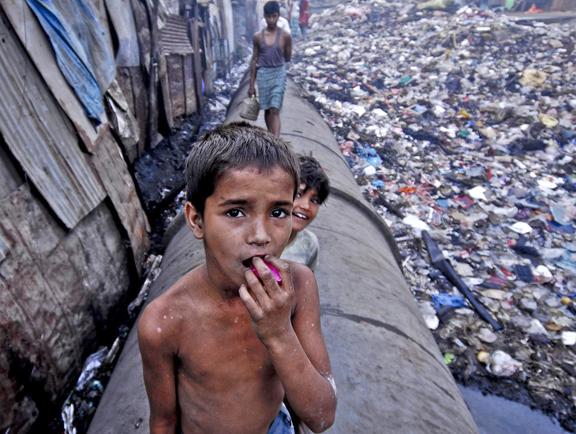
[(266, 276), (254, 310), (257, 289), (284, 269)]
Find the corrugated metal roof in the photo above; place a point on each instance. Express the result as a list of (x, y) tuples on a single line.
[(36, 44), (174, 36), (40, 137)]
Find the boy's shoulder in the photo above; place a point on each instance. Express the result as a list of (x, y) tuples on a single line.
[(303, 279), (163, 316)]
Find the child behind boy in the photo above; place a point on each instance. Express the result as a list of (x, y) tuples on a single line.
[(313, 191), (230, 340)]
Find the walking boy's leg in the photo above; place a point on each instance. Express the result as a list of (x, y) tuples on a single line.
[(272, 119)]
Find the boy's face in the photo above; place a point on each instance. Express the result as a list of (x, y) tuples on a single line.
[(249, 214), (272, 20), (306, 207)]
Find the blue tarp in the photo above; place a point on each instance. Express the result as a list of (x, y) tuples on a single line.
[(81, 48)]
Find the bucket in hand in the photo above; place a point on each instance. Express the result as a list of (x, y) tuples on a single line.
[(251, 109)]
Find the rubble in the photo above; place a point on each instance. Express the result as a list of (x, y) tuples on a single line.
[(461, 123)]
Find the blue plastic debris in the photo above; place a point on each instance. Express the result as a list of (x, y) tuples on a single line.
[(452, 301)]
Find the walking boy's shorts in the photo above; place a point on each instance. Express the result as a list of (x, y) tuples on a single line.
[(271, 86)]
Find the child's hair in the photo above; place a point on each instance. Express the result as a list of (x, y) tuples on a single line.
[(271, 7), (312, 174), (234, 146)]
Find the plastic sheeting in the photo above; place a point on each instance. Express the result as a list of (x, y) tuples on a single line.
[(81, 48)]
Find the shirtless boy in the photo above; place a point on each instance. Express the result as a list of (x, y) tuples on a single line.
[(230, 340)]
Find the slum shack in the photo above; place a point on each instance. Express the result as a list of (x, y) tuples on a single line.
[(87, 88)]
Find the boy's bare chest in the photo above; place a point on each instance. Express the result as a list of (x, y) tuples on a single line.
[(214, 349), (270, 40)]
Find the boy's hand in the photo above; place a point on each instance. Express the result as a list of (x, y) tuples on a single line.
[(270, 304), (251, 91)]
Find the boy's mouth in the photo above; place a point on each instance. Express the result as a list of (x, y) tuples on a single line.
[(248, 264), (300, 215)]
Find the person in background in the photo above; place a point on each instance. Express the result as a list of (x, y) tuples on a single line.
[(304, 18), (272, 50), (293, 14), (313, 191), (282, 22)]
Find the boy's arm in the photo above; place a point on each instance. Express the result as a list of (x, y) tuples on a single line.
[(295, 342), (287, 47), (159, 375), (255, 54)]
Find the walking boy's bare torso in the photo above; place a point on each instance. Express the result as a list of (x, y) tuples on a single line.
[(221, 367)]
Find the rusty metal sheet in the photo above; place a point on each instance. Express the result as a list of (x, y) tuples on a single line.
[(119, 185), (41, 138), (47, 326), (57, 289), (174, 36), (34, 41)]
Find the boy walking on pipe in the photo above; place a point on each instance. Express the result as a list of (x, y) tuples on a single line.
[(272, 50), (232, 338)]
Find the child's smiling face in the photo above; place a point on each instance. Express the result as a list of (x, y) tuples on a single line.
[(306, 206), (249, 214)]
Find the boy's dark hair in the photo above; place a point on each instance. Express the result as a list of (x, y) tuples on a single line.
[(271, 7), (312, 174), (233, 146)]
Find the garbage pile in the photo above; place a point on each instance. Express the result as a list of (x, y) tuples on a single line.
[(461, 124)]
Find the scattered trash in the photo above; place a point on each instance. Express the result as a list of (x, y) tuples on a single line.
[(569, 338), (474, 124), (81, 403), (442, 301), (449, 358), (502, 364), (438, 260)]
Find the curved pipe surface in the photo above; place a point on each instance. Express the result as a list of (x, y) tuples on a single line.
[(390, 374)]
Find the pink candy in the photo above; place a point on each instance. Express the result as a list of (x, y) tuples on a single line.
[(275, 272)]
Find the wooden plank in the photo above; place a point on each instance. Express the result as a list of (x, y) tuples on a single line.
[(563, 5), (41, 138), (119, 185), (140, 106), (189, 85), (165, 87), (35, 42), (195, 29), (176, 83)]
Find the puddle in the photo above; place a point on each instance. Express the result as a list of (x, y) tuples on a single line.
[(495, 415)]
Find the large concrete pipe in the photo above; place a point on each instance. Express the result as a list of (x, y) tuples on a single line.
[(390, 374)]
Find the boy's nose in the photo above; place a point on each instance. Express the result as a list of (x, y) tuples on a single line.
[(259, 235)]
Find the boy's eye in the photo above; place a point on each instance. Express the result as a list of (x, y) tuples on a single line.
[(235, 213), (279, 213), (315, 201), (299, 194)]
